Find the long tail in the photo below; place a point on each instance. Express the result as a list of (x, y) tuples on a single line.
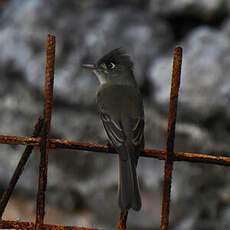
[(128, 191)]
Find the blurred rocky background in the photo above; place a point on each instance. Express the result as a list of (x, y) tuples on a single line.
[(82, 186)]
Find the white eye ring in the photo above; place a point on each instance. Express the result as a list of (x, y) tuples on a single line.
[(111, 65)]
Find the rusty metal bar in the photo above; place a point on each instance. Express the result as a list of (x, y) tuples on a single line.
[(154, 153), (49, 80), (45, 143), (175, 85), (122, 222), (19, 140), (19, 169), (8, 224)]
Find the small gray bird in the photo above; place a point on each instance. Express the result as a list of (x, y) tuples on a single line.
[(121, 109)]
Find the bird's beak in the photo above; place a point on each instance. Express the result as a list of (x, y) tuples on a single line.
[(89, 66)]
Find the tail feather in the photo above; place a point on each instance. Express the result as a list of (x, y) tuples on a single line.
[(128, 193)]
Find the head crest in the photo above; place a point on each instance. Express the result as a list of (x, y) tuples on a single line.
[(118, 57)]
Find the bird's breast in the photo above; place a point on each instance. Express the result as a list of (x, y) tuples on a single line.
[(120, 101)]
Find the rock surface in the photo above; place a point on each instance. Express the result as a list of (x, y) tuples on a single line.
[(82, 186)]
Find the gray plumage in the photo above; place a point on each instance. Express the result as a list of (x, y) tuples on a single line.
[(121, 111), (125, 132)]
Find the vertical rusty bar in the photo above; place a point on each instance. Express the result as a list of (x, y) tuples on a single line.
[(122, 222), (175, 85), (19, 169), (49, 80)]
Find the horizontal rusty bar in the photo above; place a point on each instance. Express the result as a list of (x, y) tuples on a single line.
[(159, 154), (17, 140), (8, 224)]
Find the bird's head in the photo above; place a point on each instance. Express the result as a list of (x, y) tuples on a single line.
[(113, 67)]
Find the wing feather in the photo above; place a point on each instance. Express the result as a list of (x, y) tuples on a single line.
[(114, 130), (117, 135), (138, 132)]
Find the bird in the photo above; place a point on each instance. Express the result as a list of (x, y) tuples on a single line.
[(120, 106)]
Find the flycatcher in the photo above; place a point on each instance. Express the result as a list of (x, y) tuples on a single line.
[(121, 109)]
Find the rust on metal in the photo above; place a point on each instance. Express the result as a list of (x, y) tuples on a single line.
[(17, 140), (175, 85), (8, 224), (122, 222), (44, 144), (19, 169), (153, 153)]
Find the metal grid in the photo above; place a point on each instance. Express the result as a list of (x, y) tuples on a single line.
[(41, 138)]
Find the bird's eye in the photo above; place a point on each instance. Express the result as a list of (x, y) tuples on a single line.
[(110, 65)]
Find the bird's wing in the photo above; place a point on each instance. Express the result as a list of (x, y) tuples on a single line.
[(117, 135), (113, 129), (138, 132)]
